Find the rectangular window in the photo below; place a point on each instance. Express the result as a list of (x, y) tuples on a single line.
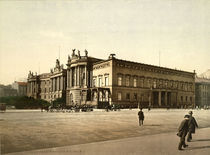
[(127, 96), (186, 98), (119, 96), (142, 83), (99, 82), (94, 82), (135, 96), (182, 98), (106, 81), (127, 82), (119, 81), (135, 82)]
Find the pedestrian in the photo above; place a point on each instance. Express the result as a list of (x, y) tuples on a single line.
[(182, 132), (192, 125), (141, 117)]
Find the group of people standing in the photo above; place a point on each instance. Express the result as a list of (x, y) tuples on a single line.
[(186, 128)]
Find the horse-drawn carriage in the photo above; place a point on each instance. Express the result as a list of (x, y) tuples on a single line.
[(69, 108), (2, 107)]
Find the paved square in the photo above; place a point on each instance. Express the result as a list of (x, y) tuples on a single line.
[(29, 130)]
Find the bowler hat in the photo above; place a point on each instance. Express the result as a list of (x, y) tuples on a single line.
[(190, 112), (186, 116)]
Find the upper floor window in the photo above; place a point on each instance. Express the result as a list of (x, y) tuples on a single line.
[(94, 82), (182, 86), (99, 81), (142, 83), (135, 82), (119, 81), (166, 84), (154, 84), (127, 82), (106, 81)]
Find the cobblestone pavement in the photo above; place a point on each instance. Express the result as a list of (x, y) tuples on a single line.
[(30, 129)]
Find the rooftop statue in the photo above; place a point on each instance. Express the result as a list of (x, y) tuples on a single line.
[(111, 56), (86, 53), (73, 52), (78, 53), (57, 63)]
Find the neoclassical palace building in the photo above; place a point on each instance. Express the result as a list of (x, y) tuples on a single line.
[(102, 82), (48, 86)]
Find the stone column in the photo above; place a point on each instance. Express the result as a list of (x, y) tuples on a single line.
[(68, 84), (64, 83), (86, 75), (159, 98), (75, 72), (54, 86), (51, 82), (79, 76), (58, 82), (31, 87), (61, 84), (166, 98), (70, 80), (150, 99)]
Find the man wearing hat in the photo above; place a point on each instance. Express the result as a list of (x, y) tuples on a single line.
[(182, 132), (192, 125)]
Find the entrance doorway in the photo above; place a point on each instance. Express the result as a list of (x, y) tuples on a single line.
[(155, 99)]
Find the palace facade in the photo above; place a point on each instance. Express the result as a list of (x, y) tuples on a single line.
[(128, 84), (102, 82)]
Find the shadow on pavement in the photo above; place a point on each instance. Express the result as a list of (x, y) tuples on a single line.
[(153, 125), (200, 140), (199, 147)]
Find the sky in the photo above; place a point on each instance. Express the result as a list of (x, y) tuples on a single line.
[(169, 33)]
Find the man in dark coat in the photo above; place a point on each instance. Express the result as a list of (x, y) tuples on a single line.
[(182, 132), (192, 125), (141, 117)]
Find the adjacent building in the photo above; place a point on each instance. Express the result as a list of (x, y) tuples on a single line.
[(7, 91), (21, 88), (202, 92)]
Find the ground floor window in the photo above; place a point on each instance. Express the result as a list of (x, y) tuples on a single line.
[(119, 96), (127, 96), (135, 96)]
